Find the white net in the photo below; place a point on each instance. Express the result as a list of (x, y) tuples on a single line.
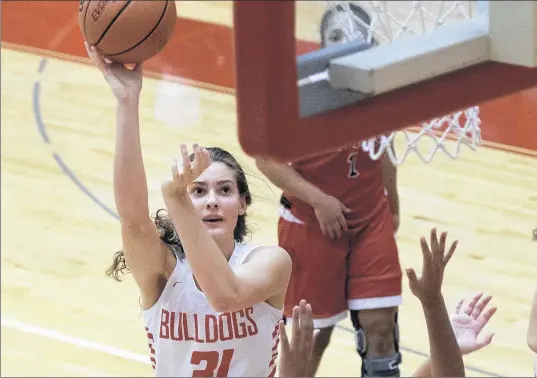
[(389, 22)]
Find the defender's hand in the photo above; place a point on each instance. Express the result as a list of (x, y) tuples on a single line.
[(428, 288), (469, 321), (295, 356)]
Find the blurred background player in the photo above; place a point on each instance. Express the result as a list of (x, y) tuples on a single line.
[(211, 303), (339, 213)]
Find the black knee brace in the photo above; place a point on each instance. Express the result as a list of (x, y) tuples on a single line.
[(378, 366)]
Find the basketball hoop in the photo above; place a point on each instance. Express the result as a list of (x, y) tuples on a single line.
[(461, 127), (409, 62), (388, 26)]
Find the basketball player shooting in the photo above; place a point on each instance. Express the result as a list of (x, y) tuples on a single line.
[(338, 225), (211, 303)]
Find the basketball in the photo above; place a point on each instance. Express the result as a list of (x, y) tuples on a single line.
[(127, 31)]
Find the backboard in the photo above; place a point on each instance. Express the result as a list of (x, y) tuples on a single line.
[(366, 89)]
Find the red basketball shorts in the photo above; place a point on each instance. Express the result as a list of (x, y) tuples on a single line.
[(359, 271)]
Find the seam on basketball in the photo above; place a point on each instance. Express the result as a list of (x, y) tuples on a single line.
[(85, 15), (148, 34), (112, 22)]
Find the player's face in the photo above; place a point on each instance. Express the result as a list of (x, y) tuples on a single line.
[(341, 28), (217, 200)]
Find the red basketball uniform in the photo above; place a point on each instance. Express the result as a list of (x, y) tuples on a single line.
[(360, 270)]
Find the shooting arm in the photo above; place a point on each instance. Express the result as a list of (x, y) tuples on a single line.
[(145, 255), (264, 275)]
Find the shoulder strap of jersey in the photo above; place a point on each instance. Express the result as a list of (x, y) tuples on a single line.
[(243, 251)]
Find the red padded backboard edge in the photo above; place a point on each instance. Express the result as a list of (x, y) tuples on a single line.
[(267, 93)]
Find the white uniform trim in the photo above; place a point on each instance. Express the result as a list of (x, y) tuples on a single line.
[(374, 303), (359, 304), (288, 216)]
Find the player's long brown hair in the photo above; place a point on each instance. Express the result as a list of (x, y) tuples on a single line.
[(165, 225)]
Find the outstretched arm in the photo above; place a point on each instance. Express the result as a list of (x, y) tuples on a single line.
[(446, 358), (145, 255), (467, 322)]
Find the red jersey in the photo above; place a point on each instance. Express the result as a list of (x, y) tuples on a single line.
[(349, 175)]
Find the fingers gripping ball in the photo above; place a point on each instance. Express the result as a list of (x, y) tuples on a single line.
[(127, 31)]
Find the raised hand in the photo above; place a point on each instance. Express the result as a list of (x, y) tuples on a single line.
[(184, 174), (295, 356), (469, 320), (126, 84), (428, 287)]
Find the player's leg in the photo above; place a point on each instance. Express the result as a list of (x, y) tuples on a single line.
[(319, 277), (377, 341), (374, 294)]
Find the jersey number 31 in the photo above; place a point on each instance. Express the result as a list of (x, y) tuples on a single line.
[(215, 365)]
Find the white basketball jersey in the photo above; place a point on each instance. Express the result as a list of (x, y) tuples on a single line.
[(187, 338)]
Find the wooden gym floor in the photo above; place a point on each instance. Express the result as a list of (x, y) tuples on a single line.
[(61, 316)]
